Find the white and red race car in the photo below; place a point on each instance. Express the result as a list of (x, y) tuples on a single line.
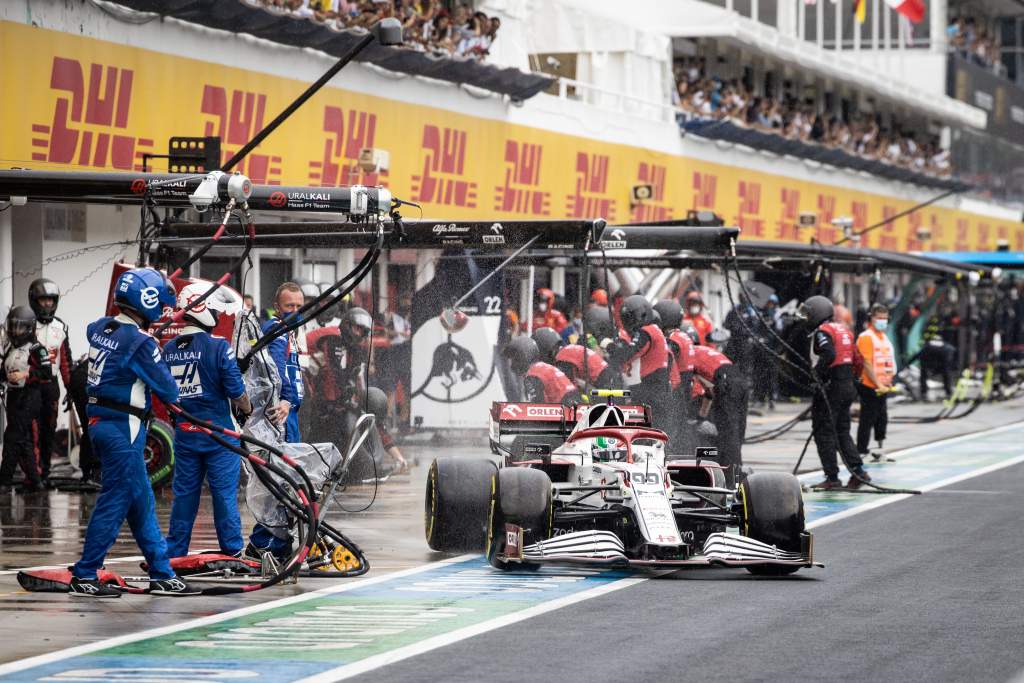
[(592, 485)]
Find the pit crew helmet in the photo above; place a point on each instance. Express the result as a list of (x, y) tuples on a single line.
[(636, 312), (20, 325), (355, 326), (548, 343), (41, 288), (377, 403), (145, 292), (815, 311), (207, 313), (671, 313), (599, 323), (522, 352)]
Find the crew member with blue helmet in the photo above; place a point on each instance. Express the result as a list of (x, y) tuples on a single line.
[(209, 382), (286, 350), (125, 366)]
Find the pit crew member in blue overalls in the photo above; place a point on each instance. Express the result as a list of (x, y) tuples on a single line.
[(286, 351), (125, 366), (209, 383)]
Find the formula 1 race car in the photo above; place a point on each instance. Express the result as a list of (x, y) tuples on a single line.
[(592, 485)]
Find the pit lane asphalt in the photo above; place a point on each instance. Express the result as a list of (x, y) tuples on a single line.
[(928, 588)]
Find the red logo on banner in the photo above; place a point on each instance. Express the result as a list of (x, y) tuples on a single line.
[(138, 186), (749, 217), (938, 229), (704, 191), (859, 213), (346, 136), (962, 228), (520, 192), (236, 122), (652, 209), (887, 239), (984, 236), (443, 166), (87, 114), (277, 199), (786, 228), (1002, 232), (827, 233), (588, 201), (916, 221)]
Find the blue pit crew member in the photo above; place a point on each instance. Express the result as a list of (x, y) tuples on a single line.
[(209, 383), (286, 351), (125, 366)]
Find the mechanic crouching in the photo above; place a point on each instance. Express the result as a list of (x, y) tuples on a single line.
[(542, 383), (209, 383), (833, 345), (125, 366), (594, 374)]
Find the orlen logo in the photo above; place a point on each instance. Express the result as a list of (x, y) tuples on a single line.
[(544, 411), (511, 410), (277, 200), (138, 186)]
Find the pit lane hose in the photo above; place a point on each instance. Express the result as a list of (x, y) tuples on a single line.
[(304, 496), (819, 387)]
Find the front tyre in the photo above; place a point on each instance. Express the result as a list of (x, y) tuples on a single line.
[(456, 504), (519, 496), (773, 513)]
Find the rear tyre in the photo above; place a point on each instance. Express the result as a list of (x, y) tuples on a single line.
[(159, 454), (519, 496), (456, 504), (773, 513)]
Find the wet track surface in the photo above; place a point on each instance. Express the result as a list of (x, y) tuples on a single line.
[(923, 587)]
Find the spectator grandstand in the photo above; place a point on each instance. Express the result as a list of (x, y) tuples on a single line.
[(433, 26), (702, 96)]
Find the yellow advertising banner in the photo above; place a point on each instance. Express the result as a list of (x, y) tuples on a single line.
[(80, 103)]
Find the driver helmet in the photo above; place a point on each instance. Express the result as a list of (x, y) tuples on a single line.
[(608, 449)]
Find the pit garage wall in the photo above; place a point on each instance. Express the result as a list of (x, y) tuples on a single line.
[(85, 103)]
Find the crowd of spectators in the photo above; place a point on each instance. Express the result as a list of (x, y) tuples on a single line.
[(710, 97), (434, 26), (975, 43)]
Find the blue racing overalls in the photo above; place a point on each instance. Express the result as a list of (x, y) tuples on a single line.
[(285, 352), (207, 374), (125, 365)]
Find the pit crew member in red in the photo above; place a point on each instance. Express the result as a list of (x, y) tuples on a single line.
[(693, 306), (595, 375), (544, 312), (729, 393), (542, 383), (833, 345), (643, 356)]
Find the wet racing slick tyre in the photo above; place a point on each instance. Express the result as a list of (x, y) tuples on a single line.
[(773, 513), (456, 504), (519, 496), (159, 453)]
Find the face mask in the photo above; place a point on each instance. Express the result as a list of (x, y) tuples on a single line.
[(694, 310), (543, 308), (881, 325)]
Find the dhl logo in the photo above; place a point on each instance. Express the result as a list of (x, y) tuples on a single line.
[(961, 242), (87, 115), (787, 227), (916, 221), (236, 120), (346, 136), (827, 233), (588, 200), (520, 193), (654, 175), (749, 216), (887, 238), (704, 185), (444, 162), (859, 213)]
